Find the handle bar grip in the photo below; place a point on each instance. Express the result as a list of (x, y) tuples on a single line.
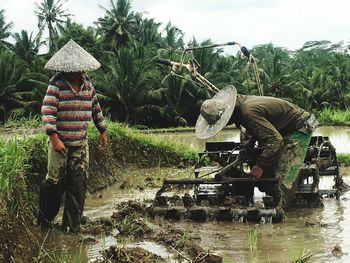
[(163, 61), (245, 51)]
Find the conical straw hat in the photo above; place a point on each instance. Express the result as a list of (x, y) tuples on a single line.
[(72, 58), (216, 113)]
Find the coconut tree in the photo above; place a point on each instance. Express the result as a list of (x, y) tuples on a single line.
[(118, 23), (4, 30), (12, 71), (84, 36), (275, 69), (172, 42), (25, 46), (128, 83), (52, 16), (147, 32)]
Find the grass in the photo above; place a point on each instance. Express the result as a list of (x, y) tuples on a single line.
[(177, 129), (151, 140), (253, 238), (33, 121), (15, 154), (12, 170), (60, 255), (330, 116), (296, 252), (225, 259), (343, 159), (299, 254)]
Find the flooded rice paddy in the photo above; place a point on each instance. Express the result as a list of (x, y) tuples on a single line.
[(324, 231), (319, 230), (339, 137)]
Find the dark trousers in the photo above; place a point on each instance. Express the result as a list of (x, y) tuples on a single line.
[(67, 175)]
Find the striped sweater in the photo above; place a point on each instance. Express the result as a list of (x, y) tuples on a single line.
[(68, 113)]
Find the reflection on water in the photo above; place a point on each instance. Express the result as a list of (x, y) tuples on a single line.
[(277, 242), (339, 137)]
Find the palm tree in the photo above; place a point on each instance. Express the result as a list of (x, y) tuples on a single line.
[(25, 46), (12, 71), (4, 30), (51, 15), (148, 32), (274, 62), (118, 23), (172, 43), (85, 37), (128, 83)]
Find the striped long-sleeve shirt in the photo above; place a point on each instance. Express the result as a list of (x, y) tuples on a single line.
[(68, 113)]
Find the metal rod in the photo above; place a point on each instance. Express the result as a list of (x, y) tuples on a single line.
[(213, 45), (212, 181)]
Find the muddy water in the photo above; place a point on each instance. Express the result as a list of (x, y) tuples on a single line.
[(276, 242), (330, 226), (339, 137)]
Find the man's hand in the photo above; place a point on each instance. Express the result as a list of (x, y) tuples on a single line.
[(256, 171), (102, 141), (57, 144)]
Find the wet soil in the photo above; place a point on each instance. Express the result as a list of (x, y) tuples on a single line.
[(119, 229), (130, 221), (16, 238)]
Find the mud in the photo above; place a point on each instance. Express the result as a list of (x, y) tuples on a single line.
[(123, 223), (16, 238), (129, 255), (126, 227), (130, 221)]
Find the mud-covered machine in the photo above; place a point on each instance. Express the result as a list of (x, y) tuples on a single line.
[(221, 188)]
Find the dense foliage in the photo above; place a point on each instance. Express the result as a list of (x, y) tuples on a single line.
[(131, 86)]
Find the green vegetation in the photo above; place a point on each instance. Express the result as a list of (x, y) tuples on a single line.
[(343, 159), (23, 167), (60, 255), (149, 140), (12, 171), (299, 253), (330, 116), (31, 122), (130, 84), (253, 238), (16, 157)]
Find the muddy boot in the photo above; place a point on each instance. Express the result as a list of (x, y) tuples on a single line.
[(274, 191), (49, 203), (74, 204)]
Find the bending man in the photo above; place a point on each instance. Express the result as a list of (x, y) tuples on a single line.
[(265, 119)]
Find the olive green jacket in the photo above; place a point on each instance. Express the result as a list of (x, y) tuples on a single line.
[(267, 119)]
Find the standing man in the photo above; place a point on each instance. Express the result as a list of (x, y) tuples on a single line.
[(265, 119), (68, 107)]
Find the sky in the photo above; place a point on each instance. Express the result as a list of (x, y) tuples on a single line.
[(285, 23)]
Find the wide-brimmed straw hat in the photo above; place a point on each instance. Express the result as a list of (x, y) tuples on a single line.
[(216, 112), (72, 58)]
